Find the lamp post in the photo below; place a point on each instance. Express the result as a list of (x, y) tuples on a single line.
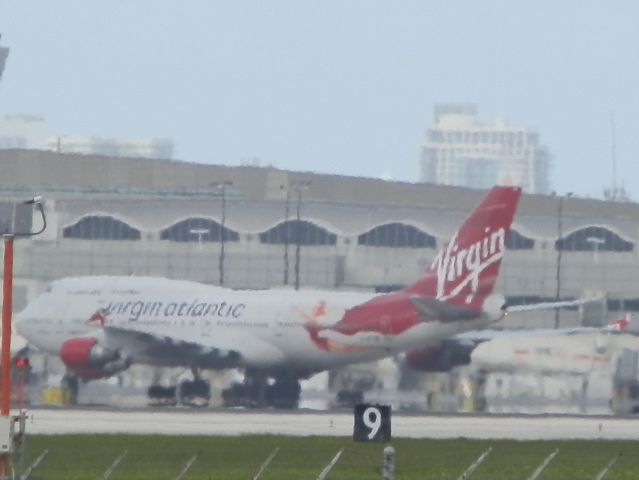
[(7, 303), (222, 186), (286, 232), (299, 188), (559, 250)]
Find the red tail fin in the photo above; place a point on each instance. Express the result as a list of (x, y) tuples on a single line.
[(464, 272)]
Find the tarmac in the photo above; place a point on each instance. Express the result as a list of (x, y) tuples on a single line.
[(54, 421)]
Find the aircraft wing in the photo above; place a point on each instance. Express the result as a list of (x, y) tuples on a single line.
[(433, 308), (551, 305), (170, 350)]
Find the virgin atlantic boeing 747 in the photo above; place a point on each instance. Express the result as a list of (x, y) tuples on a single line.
[(100, 326)]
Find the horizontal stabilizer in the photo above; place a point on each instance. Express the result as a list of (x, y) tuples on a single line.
[(436, 309)]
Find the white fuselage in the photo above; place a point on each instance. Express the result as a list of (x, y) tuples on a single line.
[(267, 328), (581, 352)]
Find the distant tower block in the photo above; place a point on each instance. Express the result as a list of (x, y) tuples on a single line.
[(461, 151)]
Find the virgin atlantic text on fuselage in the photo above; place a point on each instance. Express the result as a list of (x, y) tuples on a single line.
[(196, 308)]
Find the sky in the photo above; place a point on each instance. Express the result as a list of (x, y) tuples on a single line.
[(332, 86)]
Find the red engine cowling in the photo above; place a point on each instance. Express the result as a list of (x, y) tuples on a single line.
[(440, 357), (89, 360)]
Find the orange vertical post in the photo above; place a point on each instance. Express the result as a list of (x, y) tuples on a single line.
[(5, 372), (7, 293)]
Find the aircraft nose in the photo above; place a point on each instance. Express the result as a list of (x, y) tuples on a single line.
[(23, 321)]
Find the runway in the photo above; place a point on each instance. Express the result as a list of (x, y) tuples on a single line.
[(233, 423)]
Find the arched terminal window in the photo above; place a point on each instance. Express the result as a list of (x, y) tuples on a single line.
[(397, 235), (517, 241), (593, 238), (302, 232), (198, 229), (101, 227)]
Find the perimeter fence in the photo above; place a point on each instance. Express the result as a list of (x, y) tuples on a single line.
[(296, 458)]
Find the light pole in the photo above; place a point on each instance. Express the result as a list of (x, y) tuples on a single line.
[(286, 231), (7, 304), (560, 248), (222, 186), (299, 188)]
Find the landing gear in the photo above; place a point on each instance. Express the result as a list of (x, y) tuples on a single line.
[(349, 398), (284, 393), (160, 396), (258, 391), (194, 392), (71, 384), (251, 393)]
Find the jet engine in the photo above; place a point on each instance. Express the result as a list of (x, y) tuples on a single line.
[(440, 357), (89, 360)]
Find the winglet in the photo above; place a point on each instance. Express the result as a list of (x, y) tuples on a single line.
[(621, 324)]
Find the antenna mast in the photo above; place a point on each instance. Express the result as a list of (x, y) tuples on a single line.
[(615, 191)]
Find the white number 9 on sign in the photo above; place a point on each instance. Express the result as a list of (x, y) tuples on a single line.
[(372, 418)]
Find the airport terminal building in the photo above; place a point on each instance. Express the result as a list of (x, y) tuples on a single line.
[(257, 228)]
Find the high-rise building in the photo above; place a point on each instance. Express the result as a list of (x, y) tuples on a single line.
[(29, 132), (461, 151), (22, 131), (158, 148)]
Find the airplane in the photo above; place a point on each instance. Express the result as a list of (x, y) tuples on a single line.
[(101, 325), (576, 351), (529, 349)]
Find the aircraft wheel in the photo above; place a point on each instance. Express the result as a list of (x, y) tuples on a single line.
[(160, 396), (284, 393), (240, 395), (71, 383), (347, 398), (194, 393)]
